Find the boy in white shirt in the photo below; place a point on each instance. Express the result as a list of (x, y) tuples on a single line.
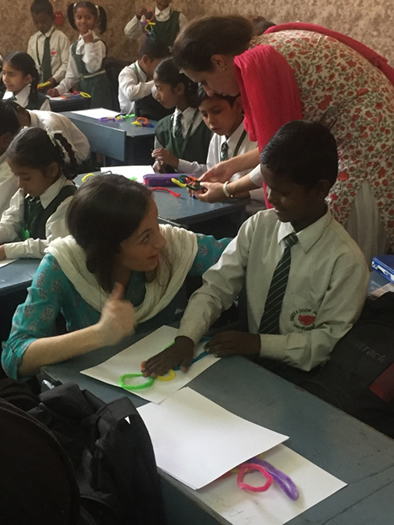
[(49, 47), (167, 23), (136, 81), (305, 278), (9, 127), (224, 117), (53, 122)]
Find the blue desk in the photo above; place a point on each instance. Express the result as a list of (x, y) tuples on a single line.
[(336, 442), (120, 141), (17, 275)]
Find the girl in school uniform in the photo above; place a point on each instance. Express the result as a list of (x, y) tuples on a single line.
[(86, 56), (21, 78), (37, 211), (118, 269), (182, 139)]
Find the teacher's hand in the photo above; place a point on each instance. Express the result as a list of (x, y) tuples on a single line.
[(212, 192), (219, 173)]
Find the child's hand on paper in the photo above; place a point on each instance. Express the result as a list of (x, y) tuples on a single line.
[(166, 157), (180, 353), (231, 342), (117, 318)]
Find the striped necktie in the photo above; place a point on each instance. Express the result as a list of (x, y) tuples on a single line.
[(269, 323), (224, 152), (178, 133), (46, 66)]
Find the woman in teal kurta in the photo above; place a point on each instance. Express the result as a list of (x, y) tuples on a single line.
[(71, 280)]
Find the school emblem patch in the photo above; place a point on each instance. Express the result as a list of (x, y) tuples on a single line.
[(303, 318)]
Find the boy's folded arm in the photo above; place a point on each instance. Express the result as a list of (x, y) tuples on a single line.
[(336, 315)]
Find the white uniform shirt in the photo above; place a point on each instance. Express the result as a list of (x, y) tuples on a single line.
[(57, 122), (93, 56), (133, 85), (12, 222), (134, 28), (22, 98), (8, 184), (60, 52), (188, 115), (325, 293)]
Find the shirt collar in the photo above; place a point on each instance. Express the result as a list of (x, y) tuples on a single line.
[(141, 73), (48, 33), (23, 96), (34, 122), (47, 197), (233, 139), (309, 235), (188, 114), (165, 11)]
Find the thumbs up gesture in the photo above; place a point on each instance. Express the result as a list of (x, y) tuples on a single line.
[(117, 318)]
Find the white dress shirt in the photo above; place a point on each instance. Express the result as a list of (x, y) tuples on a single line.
[(133, 85), (22, 98), (134, 28), (189, 114), (60, 52), (325, 293), (11, 223), (93, 56), (57, 122), (8, 184)]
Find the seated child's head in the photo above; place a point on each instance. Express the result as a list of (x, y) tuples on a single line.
[(152, 52), (173, 87), (19, 70), (299, 165), (9, 126), (37, 158), (86, 16), (42, 14), (115, 221), (162, 4), (222, 114), (22, 113)]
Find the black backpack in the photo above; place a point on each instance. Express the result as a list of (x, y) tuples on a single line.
[(359, 377), (111, 452)]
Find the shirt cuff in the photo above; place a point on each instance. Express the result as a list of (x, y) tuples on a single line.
[(61, 89), (272, 346), (256, 177)]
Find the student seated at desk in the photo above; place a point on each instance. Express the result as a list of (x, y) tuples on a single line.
[(182, 139), (306, 280), (21, 78), (136, 82), (37, 212), (120, 268), (224, 117), (9, 127), (54, 122)]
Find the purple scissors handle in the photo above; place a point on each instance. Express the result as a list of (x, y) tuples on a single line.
[(284, 482)]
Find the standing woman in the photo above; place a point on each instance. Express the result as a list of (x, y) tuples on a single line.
[(299, 71)]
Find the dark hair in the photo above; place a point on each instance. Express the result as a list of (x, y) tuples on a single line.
[(202, 95), (96, 10), (305, 152), (41, 6), (169, 73), (24, 62), (260, 25), (33, 148), (9, 122), (154, 49), (105, 211), (211, 35)]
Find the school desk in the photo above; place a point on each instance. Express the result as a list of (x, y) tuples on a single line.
[(336, 442), (120, 141), (58, 104), (17, 275)]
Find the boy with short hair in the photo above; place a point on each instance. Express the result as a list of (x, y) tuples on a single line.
[(224, 117), (49, 47), (136, 82), (9, 127), (305, 278)]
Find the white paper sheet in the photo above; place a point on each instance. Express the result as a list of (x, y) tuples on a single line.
[(6, 261), (196, 441), (130, 171), (129, 361), (273, 507), (96, 113)]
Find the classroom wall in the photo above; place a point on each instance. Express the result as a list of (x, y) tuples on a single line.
[(370, 21)]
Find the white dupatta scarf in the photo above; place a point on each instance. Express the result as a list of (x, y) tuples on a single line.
[(179, 253)]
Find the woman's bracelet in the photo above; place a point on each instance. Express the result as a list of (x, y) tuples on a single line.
[(225, 190)]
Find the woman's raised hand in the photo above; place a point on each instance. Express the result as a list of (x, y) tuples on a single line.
[(117, 318)]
